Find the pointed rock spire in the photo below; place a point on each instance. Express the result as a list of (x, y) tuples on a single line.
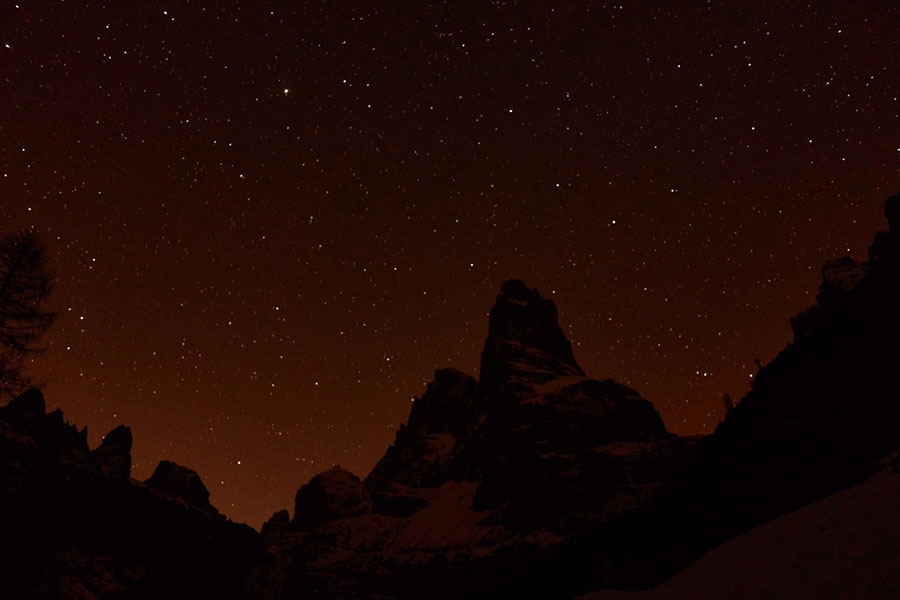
[(525, 344)]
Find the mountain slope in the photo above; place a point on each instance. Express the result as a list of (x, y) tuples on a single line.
[(818, 418), (74, 525), (843, 546)]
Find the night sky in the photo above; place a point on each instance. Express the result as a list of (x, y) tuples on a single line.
[(270, 221)]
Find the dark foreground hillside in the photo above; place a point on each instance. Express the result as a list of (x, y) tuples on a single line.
[(842, 546), (75, 525)]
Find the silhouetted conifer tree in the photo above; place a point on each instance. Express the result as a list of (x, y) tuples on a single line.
[(25, 284)]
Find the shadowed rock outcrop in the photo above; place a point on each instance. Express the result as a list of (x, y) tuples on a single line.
[(525, 344), (538, 469), (114, 453), (482, 474), (28, 405), (332, 495), (535, 482), (276, 525), (180, 482), (75, 526), (423, 453), (818, 417), (544, 419)]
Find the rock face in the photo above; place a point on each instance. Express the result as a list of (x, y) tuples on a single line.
[(839, 277), (818, 417), (536, 449), (536, 481), (525, 343), (27, 405), (277, 524), (75, 526), (448, 406), (518, 463), (422, 456), (114, 453), (180, 482), (537, 468), (332, 495)]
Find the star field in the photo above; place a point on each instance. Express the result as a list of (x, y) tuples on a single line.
[(270, 221)]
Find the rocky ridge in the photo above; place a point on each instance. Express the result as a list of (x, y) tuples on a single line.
[(818, 418), (536, 468), (75, 525), (520, 463), (535, 481)]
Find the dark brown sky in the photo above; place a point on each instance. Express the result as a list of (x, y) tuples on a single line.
[(271, 221)]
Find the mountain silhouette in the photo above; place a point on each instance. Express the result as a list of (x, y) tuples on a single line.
[(74, 525), (533, 480)]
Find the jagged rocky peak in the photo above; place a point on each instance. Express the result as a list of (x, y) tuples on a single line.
[(525, 344), (27, 412), (440, 422), (180, 482), (448, 404), (334, 494), (27, 415), (841, 276), (75, 525), (113, 456), (28, 403), (276, 525)]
